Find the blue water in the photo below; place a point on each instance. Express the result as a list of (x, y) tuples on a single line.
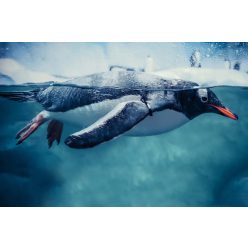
[(203, 163)]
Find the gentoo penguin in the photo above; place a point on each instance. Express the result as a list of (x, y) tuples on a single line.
[(236, 66), (195, 59), (109, 104), (227, 63), (149, 66)]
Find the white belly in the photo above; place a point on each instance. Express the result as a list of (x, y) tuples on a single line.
[(160, 122)]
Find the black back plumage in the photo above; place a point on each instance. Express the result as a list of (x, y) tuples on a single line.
[(64, 98), (99, 87)]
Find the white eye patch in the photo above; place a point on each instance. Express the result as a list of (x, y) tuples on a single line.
[(203, 94)]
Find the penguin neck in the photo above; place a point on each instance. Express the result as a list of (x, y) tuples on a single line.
[(190, 108)]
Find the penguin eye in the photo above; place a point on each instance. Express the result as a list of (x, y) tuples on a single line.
[(203, 94), (204, 99)]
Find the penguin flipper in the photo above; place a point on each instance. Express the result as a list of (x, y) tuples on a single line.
[(121, 119)]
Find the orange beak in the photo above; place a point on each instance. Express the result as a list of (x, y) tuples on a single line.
[(225, 111)]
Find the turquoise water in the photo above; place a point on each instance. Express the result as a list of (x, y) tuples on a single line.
[(203, 163)]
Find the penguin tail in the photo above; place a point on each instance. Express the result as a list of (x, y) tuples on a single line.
[(20, 96)]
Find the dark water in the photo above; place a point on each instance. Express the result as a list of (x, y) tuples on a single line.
[(203, 163)]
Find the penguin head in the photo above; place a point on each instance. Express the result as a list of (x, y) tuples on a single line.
[(200, 101)]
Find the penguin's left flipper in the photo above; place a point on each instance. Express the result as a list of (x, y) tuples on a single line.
[(121, 119)]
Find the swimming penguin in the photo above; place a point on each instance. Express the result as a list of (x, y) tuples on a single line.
[(109, 104)]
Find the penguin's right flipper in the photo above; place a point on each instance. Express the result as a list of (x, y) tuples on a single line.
[(121, 119)]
